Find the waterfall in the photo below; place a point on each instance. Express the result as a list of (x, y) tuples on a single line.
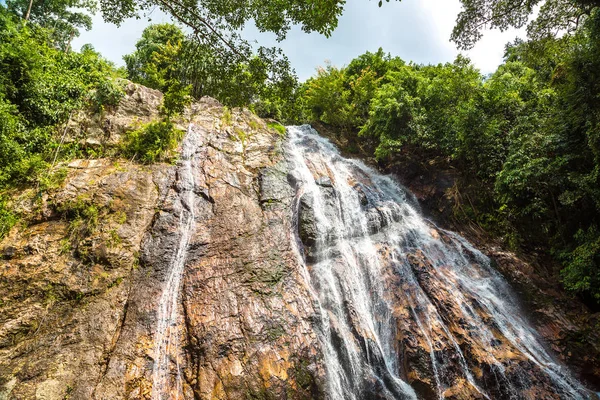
[(166, 339), (400, 300)]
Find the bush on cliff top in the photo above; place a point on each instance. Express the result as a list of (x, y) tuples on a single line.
[(152, 142)]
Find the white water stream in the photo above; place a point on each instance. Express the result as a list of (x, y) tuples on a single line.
[(166, 339), (367, 231)]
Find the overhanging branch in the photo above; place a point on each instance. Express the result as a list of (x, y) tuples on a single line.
[(169, 6)]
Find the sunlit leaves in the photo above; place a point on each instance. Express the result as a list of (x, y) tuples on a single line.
[(40, 86), (165, 57)]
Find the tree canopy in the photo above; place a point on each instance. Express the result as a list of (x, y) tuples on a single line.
[(63, 18), (164, 55), (554, 17)]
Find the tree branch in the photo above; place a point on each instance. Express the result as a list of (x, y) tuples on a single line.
[(168, 5), (502, 15)]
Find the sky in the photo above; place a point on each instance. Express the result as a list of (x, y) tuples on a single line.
[(415, 30)]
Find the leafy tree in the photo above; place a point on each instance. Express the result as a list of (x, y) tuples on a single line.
[(581, 272), (63, 17), (217, 22), (164, 56), (327, 99), (396, 114), (151, 62), (218, 59)]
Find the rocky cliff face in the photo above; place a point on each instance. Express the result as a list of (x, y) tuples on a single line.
[(83, 277), (82, 274), (406, 301)]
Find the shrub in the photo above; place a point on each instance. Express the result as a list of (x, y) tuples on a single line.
[(581, 273), (7, 218), (107, 93), (277, 127), (152, 142)]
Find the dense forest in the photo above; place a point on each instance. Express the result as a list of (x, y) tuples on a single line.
[(527, 136)]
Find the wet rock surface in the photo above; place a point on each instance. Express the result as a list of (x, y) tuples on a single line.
[(406, 300), (104, 131), (64, 289), (567, 326)]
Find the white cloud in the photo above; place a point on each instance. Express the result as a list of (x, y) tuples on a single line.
[(416, 30)]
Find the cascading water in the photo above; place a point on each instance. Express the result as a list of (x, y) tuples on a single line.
[(401, 300), (166, 336)]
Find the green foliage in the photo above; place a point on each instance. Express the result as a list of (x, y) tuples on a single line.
[(175, 99), (108, 93), (80, 208), (280, 129), (156, 63), (7, 218), (62, 18), (83, 216), (327, 99), (167, 60), (554, 16), (581, 273), (152, 142), (152, 63), (40, 88), (217, 22), (396, 114), (226, 117), (342, 98), (114, 238)]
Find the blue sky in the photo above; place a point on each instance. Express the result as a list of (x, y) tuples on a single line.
[(416, 30)]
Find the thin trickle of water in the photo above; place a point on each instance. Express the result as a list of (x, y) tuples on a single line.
[(166, 373), (385, 281)]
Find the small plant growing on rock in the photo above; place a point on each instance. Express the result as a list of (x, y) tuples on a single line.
[(65, 246), (83, 216), (114, 238), (108, 93), (254, 124), (226, 118), (7, 218), (242, 136), (152, 142), (280, 129), (53, 179)]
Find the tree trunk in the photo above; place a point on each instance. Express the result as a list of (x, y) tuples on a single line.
[(69, 42), (28, 10)]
